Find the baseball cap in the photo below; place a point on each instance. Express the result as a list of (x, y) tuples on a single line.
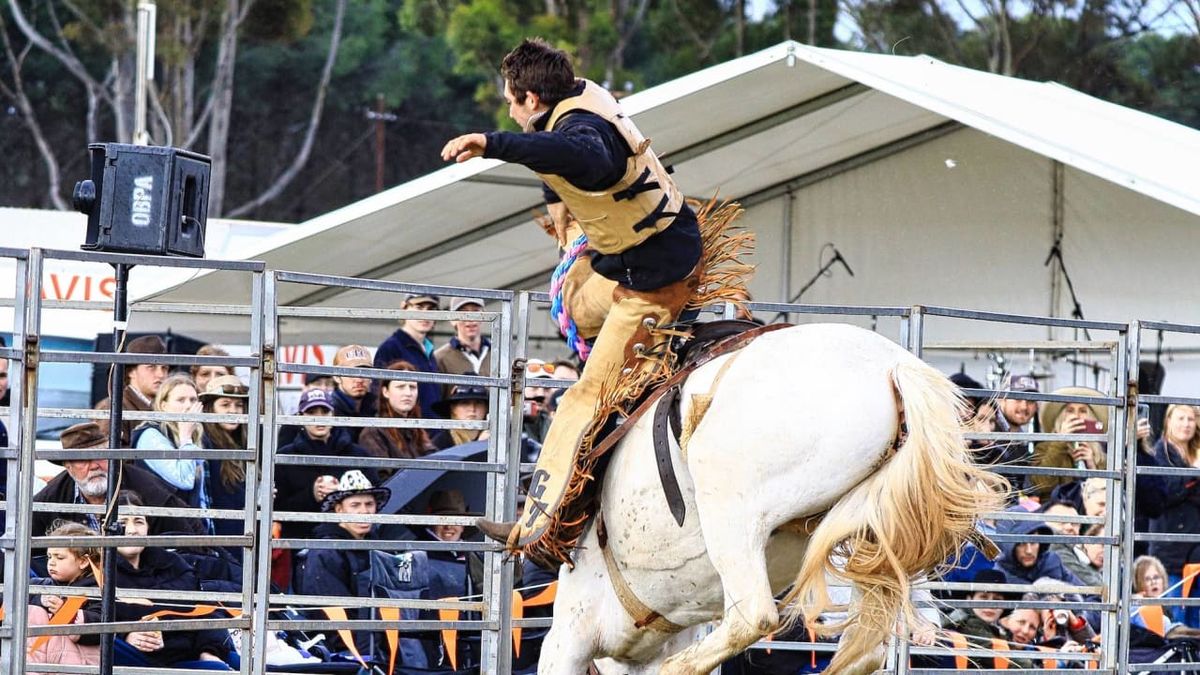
[(351, 356), (315, 398), (1020, 383), (418, 298), (457, 303)]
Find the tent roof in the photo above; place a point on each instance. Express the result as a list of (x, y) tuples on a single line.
[(748, 128)]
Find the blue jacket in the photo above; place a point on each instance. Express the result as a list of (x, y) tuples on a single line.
[(587, 151), (1048, 564), (401, 345)]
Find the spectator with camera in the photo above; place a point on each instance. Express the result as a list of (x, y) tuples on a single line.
[(411, 343), (1069, 418)]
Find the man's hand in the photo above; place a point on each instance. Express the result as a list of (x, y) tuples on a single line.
[(324, 486), (464, 147)]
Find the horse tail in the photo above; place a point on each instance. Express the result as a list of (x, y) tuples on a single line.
[(903, 521)]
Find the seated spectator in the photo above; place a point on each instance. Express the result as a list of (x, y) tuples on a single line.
[(85, 481), (468, 352), (336, 571), (154, 568), (398, 399), (287, 432), (1149, 581), (353, 397), (1012, 415), (978, 417), (176, 395), (465, 402), (1069, 418), (1026, 562), (982, 622), (411, 343), (1093, 493), (76, 567), (536, 416), (1061, 627), (141, 385), (1085, 561), (225, 479), (303, 487), (202, 375), (1179, 447)]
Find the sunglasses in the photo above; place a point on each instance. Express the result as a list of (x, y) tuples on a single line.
[(537, 368)]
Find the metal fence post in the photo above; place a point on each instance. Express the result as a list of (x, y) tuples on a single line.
[(269, 326), (1118, 564), (18, 513)]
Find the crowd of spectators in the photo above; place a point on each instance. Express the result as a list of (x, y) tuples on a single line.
[(343, 481), (175, 475)]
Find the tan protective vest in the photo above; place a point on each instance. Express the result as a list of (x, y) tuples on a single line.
[(613, 218)]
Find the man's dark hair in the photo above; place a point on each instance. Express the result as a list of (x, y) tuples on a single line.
[(535, 66)]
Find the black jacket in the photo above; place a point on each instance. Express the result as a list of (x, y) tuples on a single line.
[(294, 482), (1180, 513), (151, 488), (334, 572), (587, 151)]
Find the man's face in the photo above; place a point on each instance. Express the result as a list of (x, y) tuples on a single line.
[(448, 532), (1023, 624), (318, 432), (90, 476), (3, 377), (205, 374), (147, 378), (467, 331), (325, 384), (1017, 411), (1026, 553), (354, 387), (1059, 526), (521, 111), (357, 505), (420, 326)]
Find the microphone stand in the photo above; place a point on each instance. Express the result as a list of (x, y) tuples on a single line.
[(824, 271), (1056, 255)]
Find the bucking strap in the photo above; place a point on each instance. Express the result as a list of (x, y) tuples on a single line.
[(666, 419)]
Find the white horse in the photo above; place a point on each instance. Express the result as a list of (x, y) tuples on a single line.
[(802, 422)]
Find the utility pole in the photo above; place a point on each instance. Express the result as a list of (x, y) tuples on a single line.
[(379, 117), (146, 15)]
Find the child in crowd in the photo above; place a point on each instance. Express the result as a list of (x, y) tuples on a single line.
[(67, 566)]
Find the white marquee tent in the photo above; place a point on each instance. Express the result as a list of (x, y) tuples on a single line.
[(939, 185)]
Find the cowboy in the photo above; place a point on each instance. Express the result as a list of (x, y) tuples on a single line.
[(601, 179)]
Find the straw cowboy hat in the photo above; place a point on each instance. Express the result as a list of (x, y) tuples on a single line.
[(226, 386), (1048, 415), (355, 483)]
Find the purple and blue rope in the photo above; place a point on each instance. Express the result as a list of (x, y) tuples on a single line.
[(558, 311)]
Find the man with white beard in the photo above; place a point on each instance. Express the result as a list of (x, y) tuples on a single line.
[(85, 481)]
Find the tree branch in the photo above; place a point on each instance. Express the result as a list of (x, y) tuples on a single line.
[(314, 122), (68, 60)]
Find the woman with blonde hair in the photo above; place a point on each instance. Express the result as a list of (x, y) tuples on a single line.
[(176, 395), (1179, 447)]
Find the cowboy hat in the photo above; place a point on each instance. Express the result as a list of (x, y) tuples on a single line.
[(1048, 415), (353, 483), (462, 392), (225, 386)]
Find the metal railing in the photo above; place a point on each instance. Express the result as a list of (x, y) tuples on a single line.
[(508, 320)]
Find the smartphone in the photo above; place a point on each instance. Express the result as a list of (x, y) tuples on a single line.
[(1092, 427), (1143, 411)]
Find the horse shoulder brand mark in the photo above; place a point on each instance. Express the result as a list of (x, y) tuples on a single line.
[(143, 201)]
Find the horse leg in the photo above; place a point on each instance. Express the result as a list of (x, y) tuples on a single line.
[(738, 554), (566, 650)]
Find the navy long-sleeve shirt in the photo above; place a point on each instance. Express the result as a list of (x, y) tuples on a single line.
[(589, 153)]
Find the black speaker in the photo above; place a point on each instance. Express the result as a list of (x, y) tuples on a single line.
[(145, 199)]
